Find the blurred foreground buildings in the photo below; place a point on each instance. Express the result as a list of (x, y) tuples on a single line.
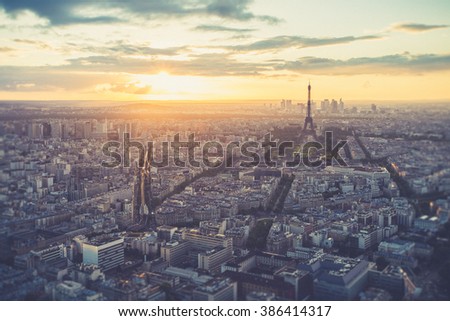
[(377, 229)]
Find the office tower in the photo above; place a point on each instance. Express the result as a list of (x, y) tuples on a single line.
[(208, 242), (214, 250), (326, 105), (107, 253), (87, 130), (56, 129), (49, 254), (333, 106), (79, 130), (142, 195), (341, 105), (35, 131), (212, 260), (175, 252), (46, 130)]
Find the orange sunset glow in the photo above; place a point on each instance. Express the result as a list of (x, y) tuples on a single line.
[(211, 50)]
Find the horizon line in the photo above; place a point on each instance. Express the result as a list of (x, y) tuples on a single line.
[(443, 100)]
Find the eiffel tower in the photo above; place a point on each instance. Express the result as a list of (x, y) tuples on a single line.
[(307, 134), (308, 127)]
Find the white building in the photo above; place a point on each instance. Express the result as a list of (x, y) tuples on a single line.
[(107, 253)]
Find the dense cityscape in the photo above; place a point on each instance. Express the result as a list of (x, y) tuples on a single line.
[(374, 229)]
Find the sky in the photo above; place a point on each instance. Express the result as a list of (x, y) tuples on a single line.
[(224, 49)]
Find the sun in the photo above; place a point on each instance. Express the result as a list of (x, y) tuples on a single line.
[(168, 86), (162, 76)]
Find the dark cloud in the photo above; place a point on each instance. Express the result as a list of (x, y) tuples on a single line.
[(236, 9), (218, 28), (390, 64), (60, 12), (283, 42), (56, 11), (417, 27)]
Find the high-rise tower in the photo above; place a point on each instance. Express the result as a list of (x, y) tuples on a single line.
[(142, 195)]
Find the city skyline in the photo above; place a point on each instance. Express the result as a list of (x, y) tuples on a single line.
[(224, 150), (373, 227), (223, 50)]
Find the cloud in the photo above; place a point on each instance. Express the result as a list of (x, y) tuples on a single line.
[(283, 42), (39, 44), (236, 9), (25, 86), (89, 73), (124, 48), (6, 49), (48, 78), (133, 88), (60, 12), (389, 64), (417, 27), (56, 11), (217, 64), (218, 28)]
